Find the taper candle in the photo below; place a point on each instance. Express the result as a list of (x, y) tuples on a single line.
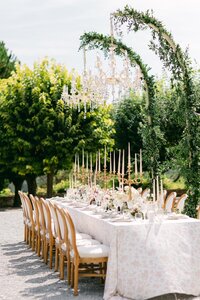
[(157, 188), (119, 162), (161, 191), (110, 163), (75, 163), (83, 163), (136, 170), (123, 158), (91, 162), (78, 164), (96, 163), (129, 155), (154, 190), (105, 157), (114, 162), (140, 162), (99, 161), (87, 162)]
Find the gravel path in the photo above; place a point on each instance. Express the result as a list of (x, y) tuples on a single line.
[(24, 276)]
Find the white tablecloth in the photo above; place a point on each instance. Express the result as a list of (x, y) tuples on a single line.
[(146, 259)]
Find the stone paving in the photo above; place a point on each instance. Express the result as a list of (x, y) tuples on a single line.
[(24, 276)]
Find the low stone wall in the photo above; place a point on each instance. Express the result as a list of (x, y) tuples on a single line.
[(6, 201)]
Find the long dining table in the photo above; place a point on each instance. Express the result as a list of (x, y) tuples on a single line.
[(146, 259)]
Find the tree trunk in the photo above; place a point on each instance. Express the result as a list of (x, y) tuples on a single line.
[(18, 184), (32, 185), (49, 185)]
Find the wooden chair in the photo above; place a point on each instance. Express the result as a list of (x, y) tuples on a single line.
[(41, 242), (37, 224), (25, 216), (31, 221), (49, 236), (162, 203), (56, 233), (82, 239), (84, 258), (169, 203), (181, 203)]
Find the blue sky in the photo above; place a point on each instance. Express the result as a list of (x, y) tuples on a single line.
[(33, 29)]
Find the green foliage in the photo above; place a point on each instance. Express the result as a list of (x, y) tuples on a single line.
[(178, 63), (7, 61), (61, 186), (39, 132), (128, 116)]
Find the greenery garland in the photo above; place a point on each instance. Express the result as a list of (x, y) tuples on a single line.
[(150, 130), (178, 63)]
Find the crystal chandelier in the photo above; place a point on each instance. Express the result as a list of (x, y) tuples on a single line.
[(102, 86)]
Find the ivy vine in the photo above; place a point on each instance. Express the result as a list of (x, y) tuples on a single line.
[(178, 63)]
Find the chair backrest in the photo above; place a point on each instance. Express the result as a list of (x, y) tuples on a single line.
[(170, 201), (36, 211), (47, 216), (55, 220), (41, 214), (181, 202), (145, 193), (24, 208), (62, 225), (162, 200), (29, 208), (71, 233)]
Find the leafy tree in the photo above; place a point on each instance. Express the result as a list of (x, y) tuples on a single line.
[(39, 131), (128, 116), (7, 61)]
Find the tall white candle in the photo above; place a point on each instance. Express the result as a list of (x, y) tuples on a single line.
[(119, 162), (140, 162), (75, 164), (78, 164), (96, 163), (110, 163), (114, 162), (136, 170), (105, 157), (129, 155), (154, 190), (87, 162), (161, 191), (123, 158), (91, 162), (157, 188), (99, 161), (83, 158)]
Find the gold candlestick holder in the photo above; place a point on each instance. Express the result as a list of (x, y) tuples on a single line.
[(129, 181)]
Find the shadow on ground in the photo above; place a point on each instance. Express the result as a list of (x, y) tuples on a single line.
[(42, 283)]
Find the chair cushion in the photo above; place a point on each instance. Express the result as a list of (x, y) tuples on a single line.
[(80, 236), (93, 251), (83, 242)]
